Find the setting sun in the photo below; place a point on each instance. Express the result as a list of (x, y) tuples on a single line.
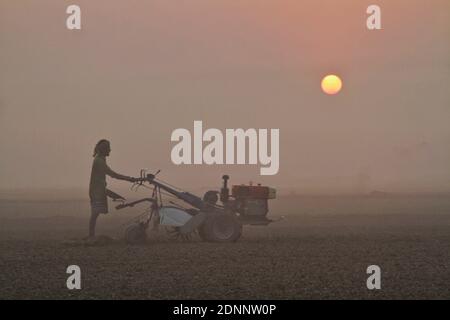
[(331, 84)]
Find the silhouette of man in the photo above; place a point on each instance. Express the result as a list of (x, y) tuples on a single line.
[(97, 186)]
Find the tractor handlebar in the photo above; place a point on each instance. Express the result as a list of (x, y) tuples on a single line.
[(145, 177), (132, 204)]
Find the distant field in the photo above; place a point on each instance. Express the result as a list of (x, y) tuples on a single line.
[(320, 250)]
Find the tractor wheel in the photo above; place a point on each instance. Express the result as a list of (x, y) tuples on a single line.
[(135, 234), (221, 228)]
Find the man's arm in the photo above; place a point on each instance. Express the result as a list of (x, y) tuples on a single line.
[(118, 176)]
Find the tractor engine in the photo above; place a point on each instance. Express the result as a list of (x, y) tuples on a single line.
[(252, 201)]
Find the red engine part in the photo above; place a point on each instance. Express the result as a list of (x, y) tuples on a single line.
[(250, 192)]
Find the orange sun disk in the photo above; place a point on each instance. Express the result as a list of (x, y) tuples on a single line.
[(331, 84)]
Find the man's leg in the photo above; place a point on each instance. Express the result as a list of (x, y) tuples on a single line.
[(92, 223)]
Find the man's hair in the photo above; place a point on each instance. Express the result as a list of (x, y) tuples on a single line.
[(101, 148)]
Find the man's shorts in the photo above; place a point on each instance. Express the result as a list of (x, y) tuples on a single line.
[(99, 207)]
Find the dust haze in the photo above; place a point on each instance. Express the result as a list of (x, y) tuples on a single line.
[(364, 175), (140, 69)]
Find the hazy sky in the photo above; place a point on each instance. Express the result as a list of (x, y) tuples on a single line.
[(140, 69)]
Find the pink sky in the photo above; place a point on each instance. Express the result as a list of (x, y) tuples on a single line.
[(140, 69)]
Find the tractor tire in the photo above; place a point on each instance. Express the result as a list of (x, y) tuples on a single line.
[(220, 228), (135, 234)]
